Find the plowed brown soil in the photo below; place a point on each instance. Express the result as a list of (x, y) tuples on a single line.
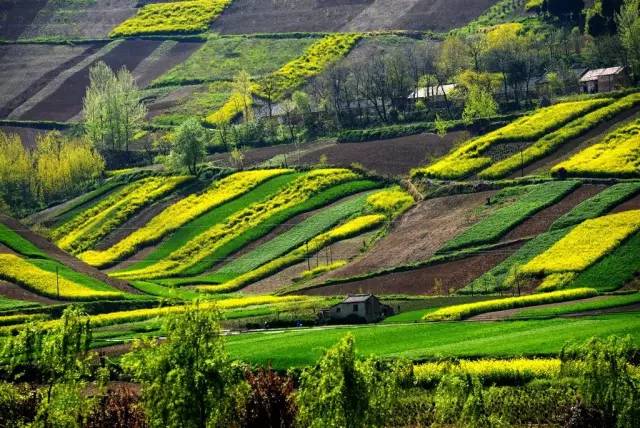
[(13, 291), (424, 281)]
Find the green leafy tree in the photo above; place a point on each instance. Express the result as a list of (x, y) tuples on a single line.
[(61, 360), (188, 146), (342, 391), (113, 111), (480, 104), (628, 21), (188, 381)]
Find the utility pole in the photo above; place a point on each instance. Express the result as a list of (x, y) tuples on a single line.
[(521, 163), (57, 283), (308, 258)]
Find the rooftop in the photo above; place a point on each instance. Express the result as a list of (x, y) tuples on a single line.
[(357, 298), (601, 72)]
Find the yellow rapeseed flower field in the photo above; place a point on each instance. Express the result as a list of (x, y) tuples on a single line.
[(204, 244), (585, 244), (20, 271), (181, 213)]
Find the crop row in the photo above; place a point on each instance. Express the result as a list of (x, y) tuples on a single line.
[(319, 200), (618, 155), (459, 312), (490, 229), (17, 243), (551, 142), (94, 224), (598, 204), (22, 272), (235, 106), (604, 302), (489, 371), (469, 158), (208, 241), (191, 16), (351, 228), (181, 213), (582, 247), (382, 205)]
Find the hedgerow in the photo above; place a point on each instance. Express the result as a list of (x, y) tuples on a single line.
[(617, 155), (350, 228), (459, 312), (20, 271), (490, 229), (181, 213), (585, 244), (317, 271), (615, 270), (312, 62), (551, 142), (516, 371), (88, 228), (319, 200), (207, 242), (178, 17), (469, 158), (598, 204)]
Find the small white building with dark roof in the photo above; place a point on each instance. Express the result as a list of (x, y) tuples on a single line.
[(357, 308)]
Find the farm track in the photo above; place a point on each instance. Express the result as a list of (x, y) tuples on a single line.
[(631, 204), (422, 281), (417, 235), (66, 101), (45, 79), (542, 221), (13, 291), (577, 144), (68, 260)]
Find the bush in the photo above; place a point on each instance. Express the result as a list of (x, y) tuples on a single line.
[(118, 408), (270, 402)]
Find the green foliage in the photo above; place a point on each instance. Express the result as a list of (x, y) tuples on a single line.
[(597, 205), (490, 229), (480, 104), (341, 391), (188, 146), (615, 270), (188, 380), (606, 382), (628, 21), (113, 111)]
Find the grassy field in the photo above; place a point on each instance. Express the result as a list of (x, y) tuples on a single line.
[(222, 58), (490, 229), (604, 302), (10, 304), (18, 244), (431, 341)]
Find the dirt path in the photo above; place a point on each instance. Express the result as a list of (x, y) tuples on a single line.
[(57, 254), (13, 291), (542, 221), (66, 101), (631, 204), (430, 280), (571, 147)]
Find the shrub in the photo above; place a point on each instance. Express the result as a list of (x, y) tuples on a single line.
[(191, 16), (617, 155), (554, 140), (20, 271), (469, 158), (181, 213), (119, 408), (459, 312), (270, 402)]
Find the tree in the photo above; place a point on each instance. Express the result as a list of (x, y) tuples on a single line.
[(243, 87), (188, 380), (480, 104), (60, 360), (628, 21), (237, 155), (188, 146), (341, 391), (113, 111)]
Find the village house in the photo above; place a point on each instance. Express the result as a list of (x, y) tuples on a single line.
[(604, 80), (357, 308)]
